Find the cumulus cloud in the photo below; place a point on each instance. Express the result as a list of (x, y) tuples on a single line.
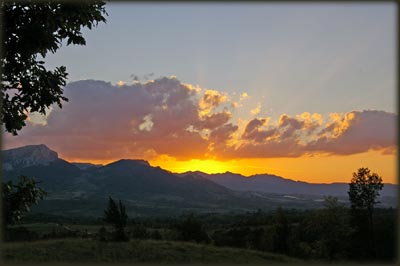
[(103, 121), (343, 134), (147, 123), (211, 100), (214, 120), (254, 131), (357, 132), (220, 137), (165, 117)]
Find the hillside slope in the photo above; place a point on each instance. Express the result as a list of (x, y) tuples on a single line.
[(144, 251)]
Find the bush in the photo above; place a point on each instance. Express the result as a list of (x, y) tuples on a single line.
[(192, 230)]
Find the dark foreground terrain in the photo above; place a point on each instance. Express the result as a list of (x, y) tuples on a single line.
[(148, 251), (280, 236)]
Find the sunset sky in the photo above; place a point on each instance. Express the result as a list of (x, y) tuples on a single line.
[(304, 91)]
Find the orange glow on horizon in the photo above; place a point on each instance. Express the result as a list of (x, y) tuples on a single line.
[(206, 166), (92, 161), (313, 169)]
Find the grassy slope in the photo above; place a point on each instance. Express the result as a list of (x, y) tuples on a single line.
[(149, 251)]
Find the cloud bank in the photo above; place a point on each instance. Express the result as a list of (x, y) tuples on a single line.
[(167, 117)]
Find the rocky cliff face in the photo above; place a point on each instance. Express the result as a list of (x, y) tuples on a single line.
[(28, 156)]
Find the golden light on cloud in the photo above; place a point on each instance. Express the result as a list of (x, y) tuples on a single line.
[(121, 83), (192, 87), (256, 110), (243, 96), (318, 118), (212, 98)]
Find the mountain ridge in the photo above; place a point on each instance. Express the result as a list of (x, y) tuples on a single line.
[(24, 149), (28, 156), (277, 184), (147, 189)]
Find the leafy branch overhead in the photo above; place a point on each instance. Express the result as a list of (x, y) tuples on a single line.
[(31, 30)]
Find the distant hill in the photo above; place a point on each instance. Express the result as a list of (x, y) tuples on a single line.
[(80, 189), (276, 184), (85, 166), (137, 177)]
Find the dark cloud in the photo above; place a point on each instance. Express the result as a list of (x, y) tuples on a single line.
[(254, 132), (223, 133), (135, 77), (289, 126), (214, 120)]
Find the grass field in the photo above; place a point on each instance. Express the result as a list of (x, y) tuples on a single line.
[(143, 251)]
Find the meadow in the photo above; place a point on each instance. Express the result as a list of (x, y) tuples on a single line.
[(148, 251), (282, 236)]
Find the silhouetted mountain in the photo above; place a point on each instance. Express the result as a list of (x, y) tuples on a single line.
[(139, 178), (83, 189), (86, 166), (276, 184), (75, 189)]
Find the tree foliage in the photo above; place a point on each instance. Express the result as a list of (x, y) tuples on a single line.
[(18, 198), (329, 230), (282, 230), (31, 30), (191, 229), (116, 215), (364, 189), (363, 193)]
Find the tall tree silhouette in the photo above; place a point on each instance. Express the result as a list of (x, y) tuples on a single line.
[(363, 193), (116, 215)]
